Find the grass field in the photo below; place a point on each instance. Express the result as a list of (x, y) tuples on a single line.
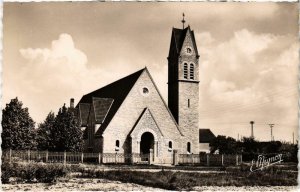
[(180, 180), (167, 178)]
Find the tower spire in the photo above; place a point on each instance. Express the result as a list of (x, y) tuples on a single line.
[(183, 21)]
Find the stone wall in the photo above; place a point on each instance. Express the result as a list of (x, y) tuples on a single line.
[(130, 111)]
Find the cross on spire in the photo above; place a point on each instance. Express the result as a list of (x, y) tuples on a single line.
[(183, 21)]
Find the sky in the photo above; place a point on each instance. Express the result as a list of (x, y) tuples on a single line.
[(248, 57)]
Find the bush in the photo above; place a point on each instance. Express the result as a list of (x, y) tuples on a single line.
[(50, 173), (6, 172), (31, 172)]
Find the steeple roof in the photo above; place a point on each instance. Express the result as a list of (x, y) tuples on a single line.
[(179, 36)]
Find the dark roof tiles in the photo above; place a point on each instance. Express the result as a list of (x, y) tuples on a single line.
[(101, 108), (179, 35), (117, 91), (84, 110), (206, 136)]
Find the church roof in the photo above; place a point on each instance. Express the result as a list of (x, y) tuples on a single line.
[(206, 136), (111, 97), (179, 35), (101, 108), (84, 110)]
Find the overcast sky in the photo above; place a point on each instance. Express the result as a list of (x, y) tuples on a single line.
[(248, 57)]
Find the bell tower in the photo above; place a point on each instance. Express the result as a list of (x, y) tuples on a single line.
[(183, 84)]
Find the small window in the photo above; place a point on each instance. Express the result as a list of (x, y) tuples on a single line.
[(117, 145), (189, 50), (185, 71), (145, 90), (191, 71), (189, 147), (188, 103)]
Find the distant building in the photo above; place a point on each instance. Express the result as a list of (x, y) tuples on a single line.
[(130, 115), (205, 137)]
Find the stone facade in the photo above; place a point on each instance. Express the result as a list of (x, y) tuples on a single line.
[(142, 113), (141, 120)]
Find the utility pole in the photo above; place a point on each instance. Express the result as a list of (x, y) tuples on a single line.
[(293, 138), (271, 126), (252, 122)]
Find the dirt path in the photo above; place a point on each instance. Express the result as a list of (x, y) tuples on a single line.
[(248, 188), (80, 184), (77, 184)]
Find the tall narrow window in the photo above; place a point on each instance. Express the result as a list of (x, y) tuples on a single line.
[(170, 145), (117, 145), (185, 71), (191, 71), (189, 147), (188, 103)]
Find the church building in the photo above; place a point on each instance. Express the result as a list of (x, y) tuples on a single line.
[(130, 116)]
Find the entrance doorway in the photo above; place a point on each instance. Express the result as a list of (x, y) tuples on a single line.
[(147, 143)]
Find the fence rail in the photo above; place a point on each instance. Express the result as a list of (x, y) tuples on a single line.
[(120, 158), (210, 159)]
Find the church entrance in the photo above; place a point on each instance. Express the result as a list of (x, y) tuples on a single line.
[(147, 143)]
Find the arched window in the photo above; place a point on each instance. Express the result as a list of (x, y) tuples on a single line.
[(188, 147), (117, 145), (191, 71), (185, 71), (170, 145)]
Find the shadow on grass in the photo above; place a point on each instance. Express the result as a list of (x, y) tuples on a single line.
[(176, 180)]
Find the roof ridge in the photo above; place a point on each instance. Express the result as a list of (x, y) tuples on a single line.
[(172, 117), (132, 74)]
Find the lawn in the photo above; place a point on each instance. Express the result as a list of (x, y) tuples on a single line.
[(179, 180), (169, 178)]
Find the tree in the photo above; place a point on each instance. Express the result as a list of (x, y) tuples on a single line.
[(18, 127), (66, 135), (44, 133), (250, 145), (225, 145)]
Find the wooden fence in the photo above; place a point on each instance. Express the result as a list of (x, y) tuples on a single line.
[(119, 158), (210, 159)]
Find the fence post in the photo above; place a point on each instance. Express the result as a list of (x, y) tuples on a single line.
[(99, 158), (10, 155), (28, 154), (241, 158), (237, 160), (81, 157), (151, 156), (65, 158), (47, 156), (222, 159), (199, 158), (207, 158), (175, 157), (192, 158)]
